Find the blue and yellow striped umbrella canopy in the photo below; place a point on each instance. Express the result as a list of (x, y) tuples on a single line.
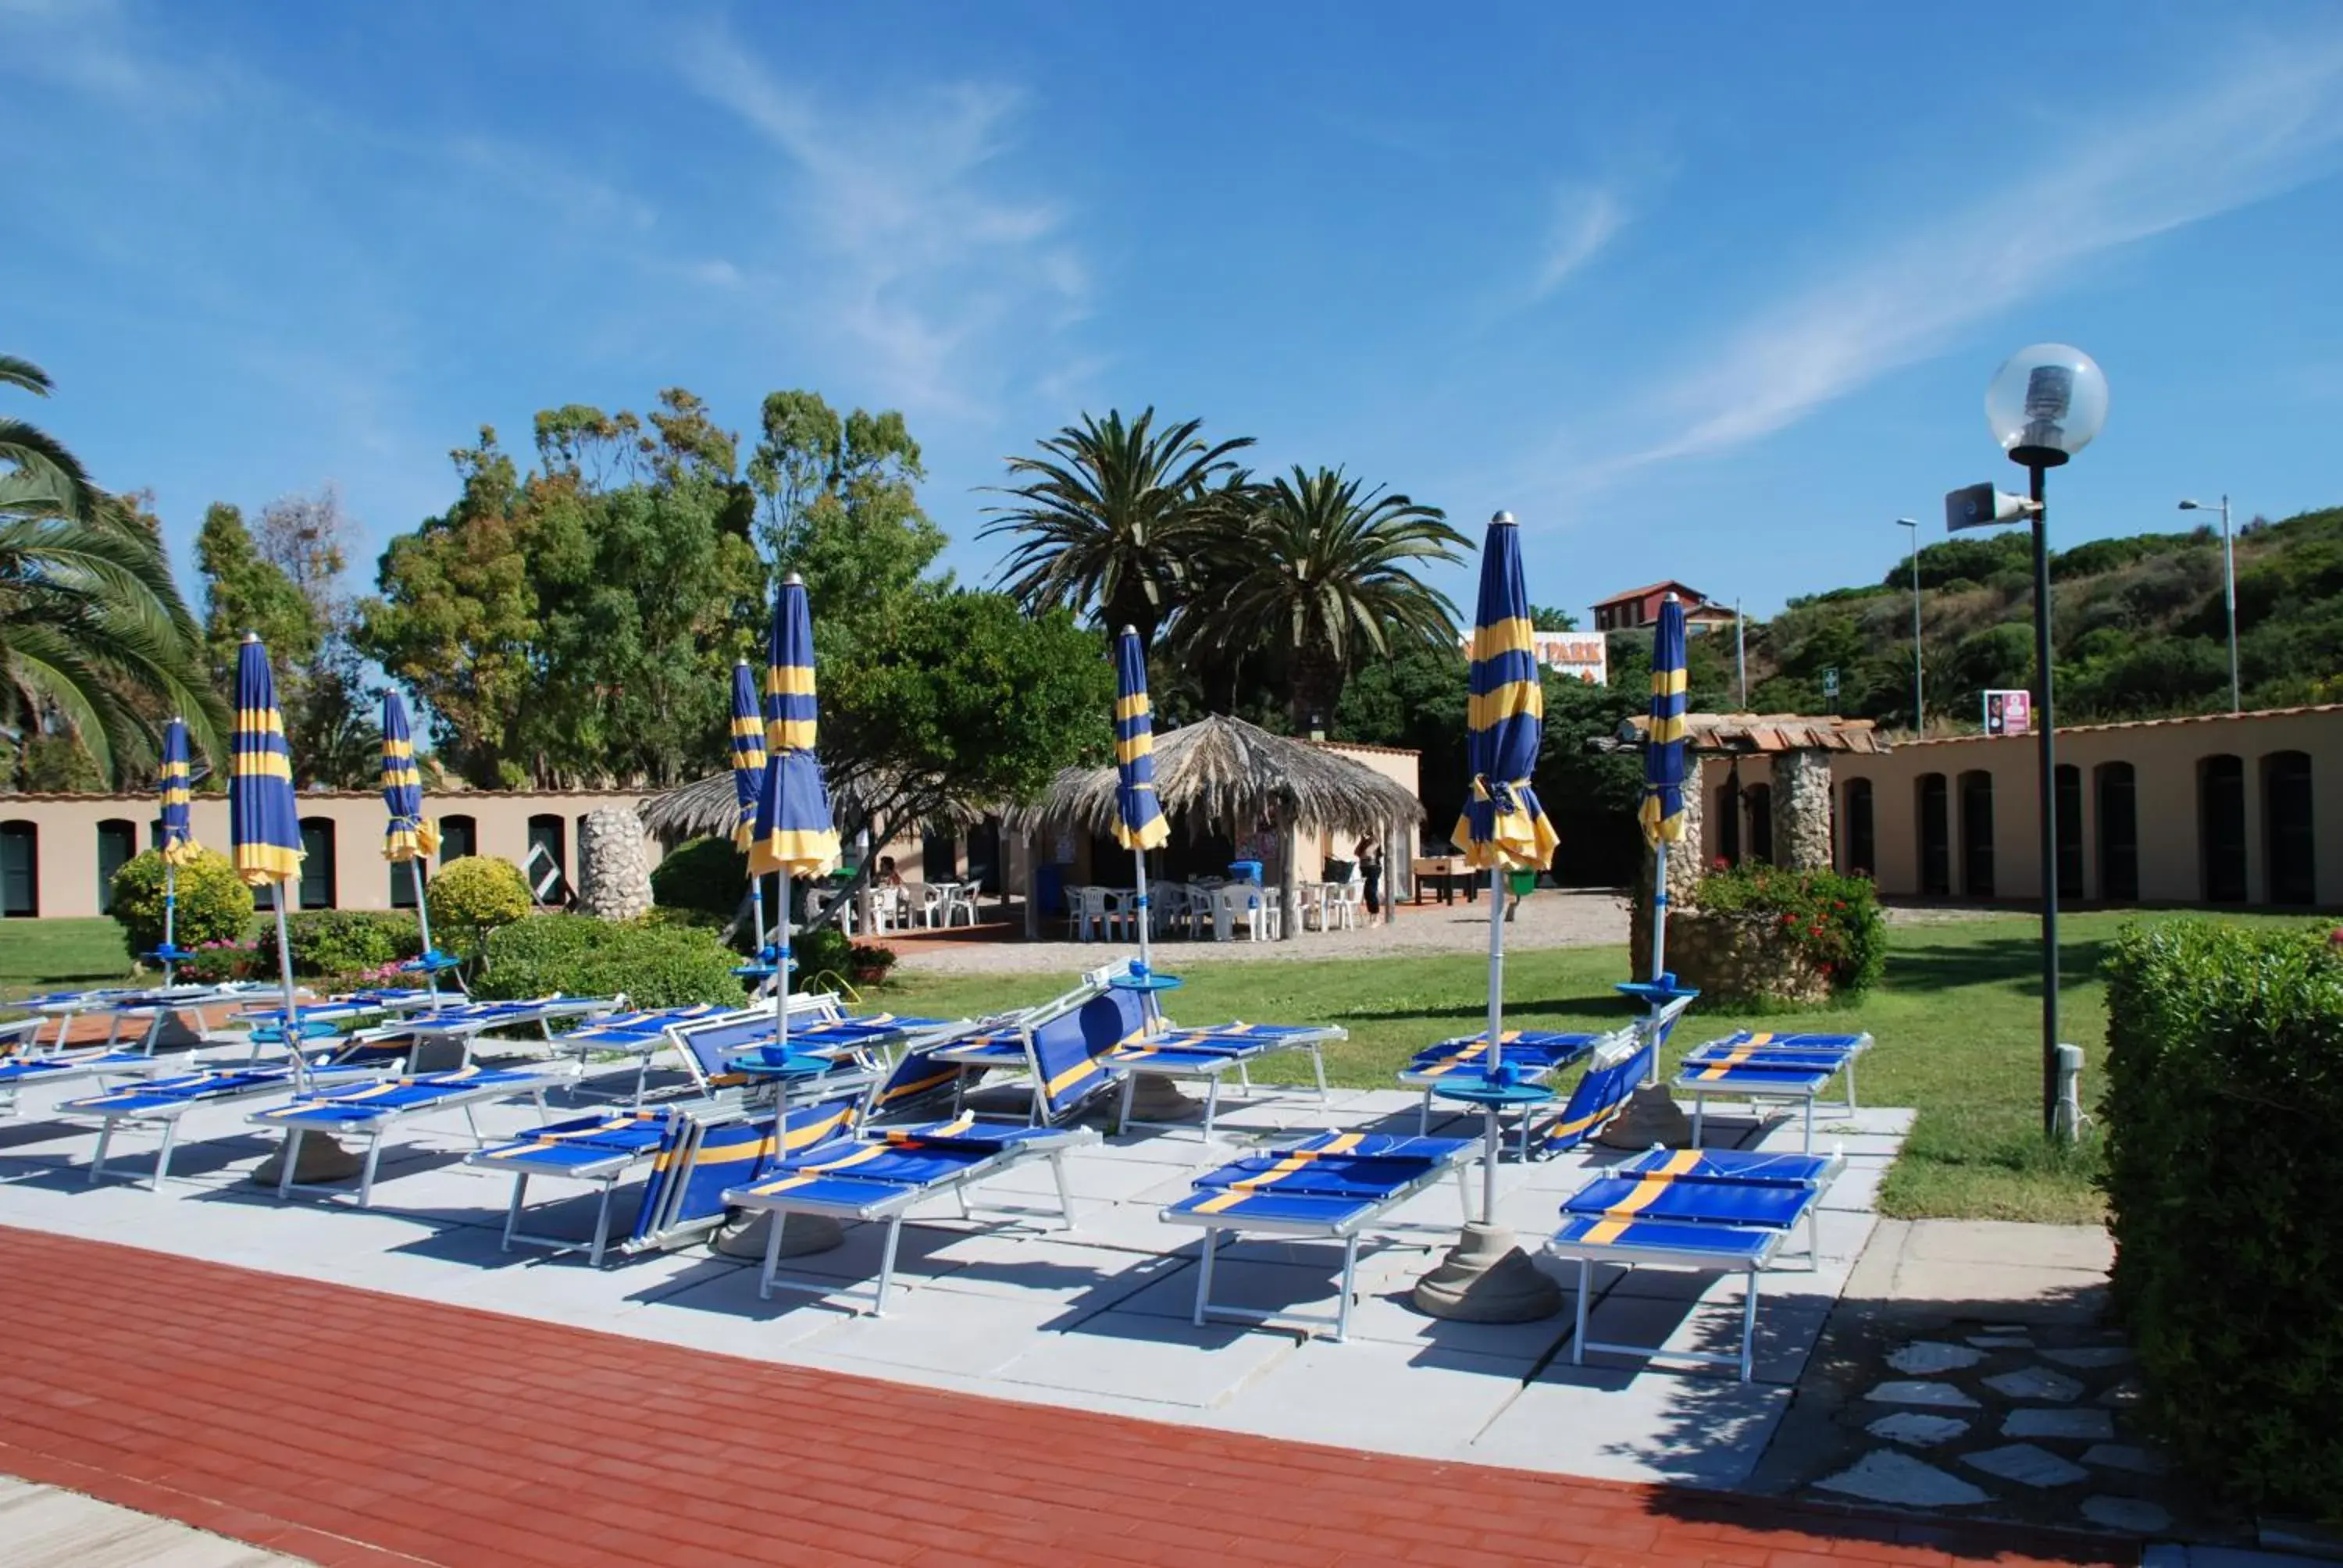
[(1139, 816), (175, 837), (748, 754), (410, 838), (1663, 812), (793, 833), (1502, 823), (264, 822)]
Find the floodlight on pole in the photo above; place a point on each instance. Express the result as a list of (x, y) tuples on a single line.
[(1919, 713), (2228, 591), (2045, 405)]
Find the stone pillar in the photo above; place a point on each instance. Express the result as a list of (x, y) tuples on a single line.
[(1802, 810), (1687, 863), (614, 876)]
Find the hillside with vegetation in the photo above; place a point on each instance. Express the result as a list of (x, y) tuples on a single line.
[(2137, 621)]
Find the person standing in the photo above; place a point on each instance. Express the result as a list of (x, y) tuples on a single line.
[(1370, 857)]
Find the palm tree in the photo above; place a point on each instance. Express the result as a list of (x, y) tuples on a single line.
[(1112, 516), (93, 632), (1320, 570)]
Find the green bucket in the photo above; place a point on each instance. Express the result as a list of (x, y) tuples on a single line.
[(1523, 883)]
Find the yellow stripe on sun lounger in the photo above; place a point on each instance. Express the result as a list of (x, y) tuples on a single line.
[(1648, 1187), (1238, 1192), (556, 1140), (1739, 1054)]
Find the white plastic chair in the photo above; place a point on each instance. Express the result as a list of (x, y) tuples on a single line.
[(960, 899), (1345, 903), (1246, 902)]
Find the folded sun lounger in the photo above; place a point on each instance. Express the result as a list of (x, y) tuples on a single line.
[(877, 1177), (374, 1111), (1715, 1211), (1330, 1188), (1057, 1050), (1210, 1055), (1793, 1069)]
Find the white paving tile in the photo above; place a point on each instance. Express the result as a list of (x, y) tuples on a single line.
[(2035, 1382), (2027, 1465), (2084, 1425), (1426, 1400), (1928, 1357), (2137, 1515), (1164, 1361), (2124, 1456), (1920, 1390), (1920, 1431), (1697, 1428)]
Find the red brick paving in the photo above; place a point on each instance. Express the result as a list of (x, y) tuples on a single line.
[(347, 1426)]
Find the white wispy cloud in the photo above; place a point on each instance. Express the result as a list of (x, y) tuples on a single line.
[(929, 256), (1586, 219), (2268, 126)]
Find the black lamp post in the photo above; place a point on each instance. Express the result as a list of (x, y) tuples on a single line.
[(2045, 405)]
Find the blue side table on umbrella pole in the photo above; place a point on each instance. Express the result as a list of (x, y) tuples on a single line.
[(1495, 1093)]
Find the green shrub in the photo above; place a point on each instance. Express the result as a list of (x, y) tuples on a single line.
[(705, 874), (214, 905), (471, 897), (577, 955), (341, 942), (1832, 920), (2224, 1093)]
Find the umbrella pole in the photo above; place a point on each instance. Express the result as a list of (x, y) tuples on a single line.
[(756, 906), (170, 917), (1496, 1038), (782, 1015), (423, 922), (292, 1039), (1139, 859), (1659, 909)]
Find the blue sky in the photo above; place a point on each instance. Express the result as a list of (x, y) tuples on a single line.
[(1709, 292)]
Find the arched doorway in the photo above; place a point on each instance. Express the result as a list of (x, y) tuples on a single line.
[(2221, 827), (458, 835), (1858, 845), (1976, 833), (117, 842), (318, 868), (1759, 799), (2291, 845), (547, 869), (1935, 806), (1726, 814), (2069, 797), (2118, 833), (20, 870)]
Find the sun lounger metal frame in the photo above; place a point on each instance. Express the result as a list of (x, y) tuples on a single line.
[(1210, 1055), (1764, 1068), (1713, 1242), (1060, 1075), (466, 1024), (168, 1112), (1300, 1215), (828, 1180), (644, 1035), (466, 1088), (1537, 1054)]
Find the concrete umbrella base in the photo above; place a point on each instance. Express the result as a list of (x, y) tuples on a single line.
[(744, 1238), (1651, 1117), (1158, 1099), (322, 1160), (1485, 1279)]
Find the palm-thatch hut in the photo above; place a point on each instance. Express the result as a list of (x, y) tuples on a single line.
[(1224, 773)]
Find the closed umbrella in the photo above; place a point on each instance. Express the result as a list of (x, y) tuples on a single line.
[(1663, 812), (410, 837), (792, 833), (1485, 1278), (748, 778), (175, 837), (1139, 824), (264, 822)]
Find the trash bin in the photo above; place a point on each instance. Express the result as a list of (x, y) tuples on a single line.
[(1244, 871), (1523, 883), (1050, 888)]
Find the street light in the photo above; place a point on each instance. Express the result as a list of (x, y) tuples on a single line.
[(2043, 406), (2228, 590), (1919, 715)]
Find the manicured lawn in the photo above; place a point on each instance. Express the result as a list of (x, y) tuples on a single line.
[(53, 954), (1957, 1020)]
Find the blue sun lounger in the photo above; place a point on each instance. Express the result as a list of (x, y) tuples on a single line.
[(877, 1178), (1056, 1049), (30, 1063), (1535, 1055), (373, 1110), (1210, 1055), (642, 1035), (447, 1036), (1759, 1067), (157, 1004), (1327, 1188), (1713, 1211), (163, 1102)]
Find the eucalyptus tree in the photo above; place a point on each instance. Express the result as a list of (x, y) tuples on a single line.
[(1321, 572), (1110, 518)]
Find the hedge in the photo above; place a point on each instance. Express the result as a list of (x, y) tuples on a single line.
[(213, 906), (339, 942), (577, 955), (2224, 1096), (1832, 920), (704, 874)]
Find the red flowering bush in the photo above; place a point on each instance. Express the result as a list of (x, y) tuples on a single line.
[(1833, 921)]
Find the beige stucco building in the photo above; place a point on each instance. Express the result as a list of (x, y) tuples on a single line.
[(2221, 808), (58, 852)]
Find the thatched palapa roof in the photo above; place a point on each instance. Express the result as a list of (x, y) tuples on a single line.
[(1223, 770), (708, 807)]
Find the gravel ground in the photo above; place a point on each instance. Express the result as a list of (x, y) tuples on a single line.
[(1548, 918)]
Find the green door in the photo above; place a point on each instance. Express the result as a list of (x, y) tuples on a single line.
[(20, 876), (117, 841), (316, 863)]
